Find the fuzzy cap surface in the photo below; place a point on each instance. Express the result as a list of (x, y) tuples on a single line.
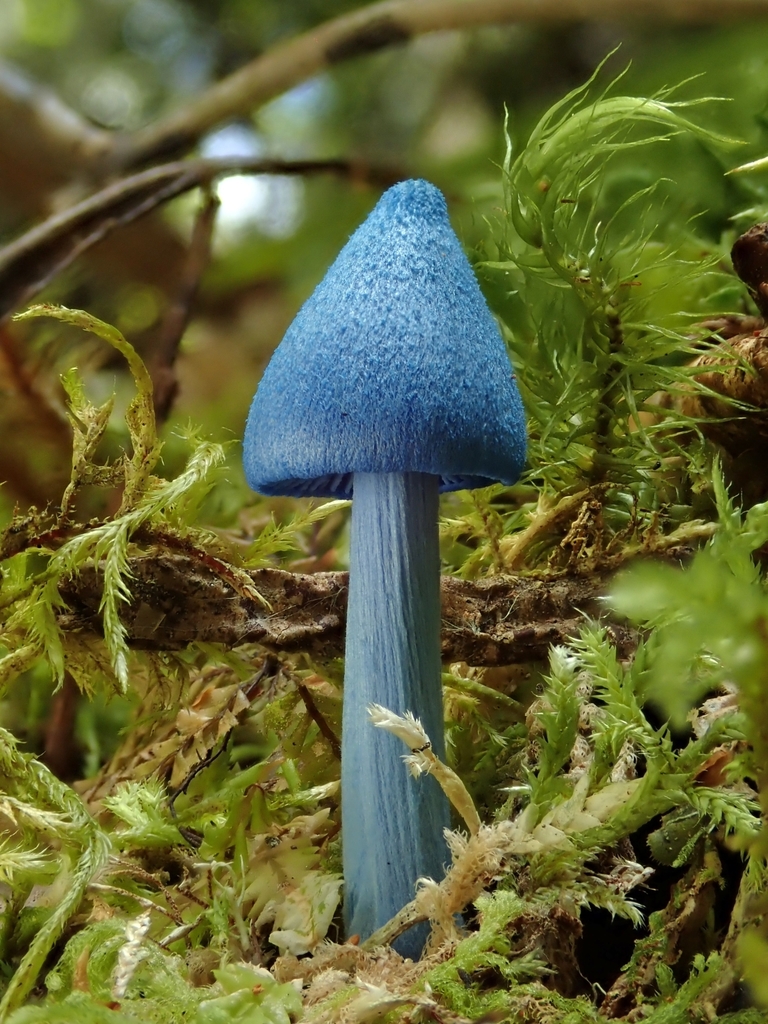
[(394, 364)]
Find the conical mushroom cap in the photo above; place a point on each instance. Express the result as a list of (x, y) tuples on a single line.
[(394, 364)]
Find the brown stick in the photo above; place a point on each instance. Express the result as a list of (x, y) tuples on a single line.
[(61, 750), (166, 384), (314, 713), (178, 600)]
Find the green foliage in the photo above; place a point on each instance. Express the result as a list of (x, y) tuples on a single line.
[(583, 794), (608, 280), (143, 808), (34, 598), (57, 842), (708, 624), (90, 422), (158, 990), (280, 538), (598, 287), (708, 618), (250, 997), (44, 810), (490, 948), (79, 1009)]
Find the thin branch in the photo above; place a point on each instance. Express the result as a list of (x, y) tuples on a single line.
[(166, 383), (22, 380), (181, 932), (404, 919), (378, 26), (315, 714), (143, 901), (49, 146), (178, 600), (62, 753), (30, 262)]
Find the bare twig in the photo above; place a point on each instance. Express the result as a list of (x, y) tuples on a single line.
[(22, 380), (380, 25), (61, 748), (404, 919), (181, 932), (34, 259), (47, 146), (314, 713), (166, 384), (178, 600), (143, 901)]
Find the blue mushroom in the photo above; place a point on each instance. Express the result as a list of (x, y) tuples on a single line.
[(391, 385)]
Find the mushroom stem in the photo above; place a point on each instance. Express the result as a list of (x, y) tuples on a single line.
[(392, 824)]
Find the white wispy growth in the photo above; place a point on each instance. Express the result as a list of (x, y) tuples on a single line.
[(131, 954), (423, 760)]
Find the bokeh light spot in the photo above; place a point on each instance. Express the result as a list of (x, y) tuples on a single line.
[(113, 98), (155, 29), (271, 204), (138, 308)]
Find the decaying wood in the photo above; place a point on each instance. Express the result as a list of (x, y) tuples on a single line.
[(733, 411), (749, 255), (678, 936), (497, 621), (729, 394)]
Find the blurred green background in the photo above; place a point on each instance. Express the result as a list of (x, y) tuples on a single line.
[(433, 107)]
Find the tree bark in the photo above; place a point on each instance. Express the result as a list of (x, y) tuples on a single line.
[(501, 620)]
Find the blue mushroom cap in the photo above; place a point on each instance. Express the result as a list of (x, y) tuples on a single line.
[(394, 364)]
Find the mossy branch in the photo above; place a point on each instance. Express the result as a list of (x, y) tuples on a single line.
[(178, 600)]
